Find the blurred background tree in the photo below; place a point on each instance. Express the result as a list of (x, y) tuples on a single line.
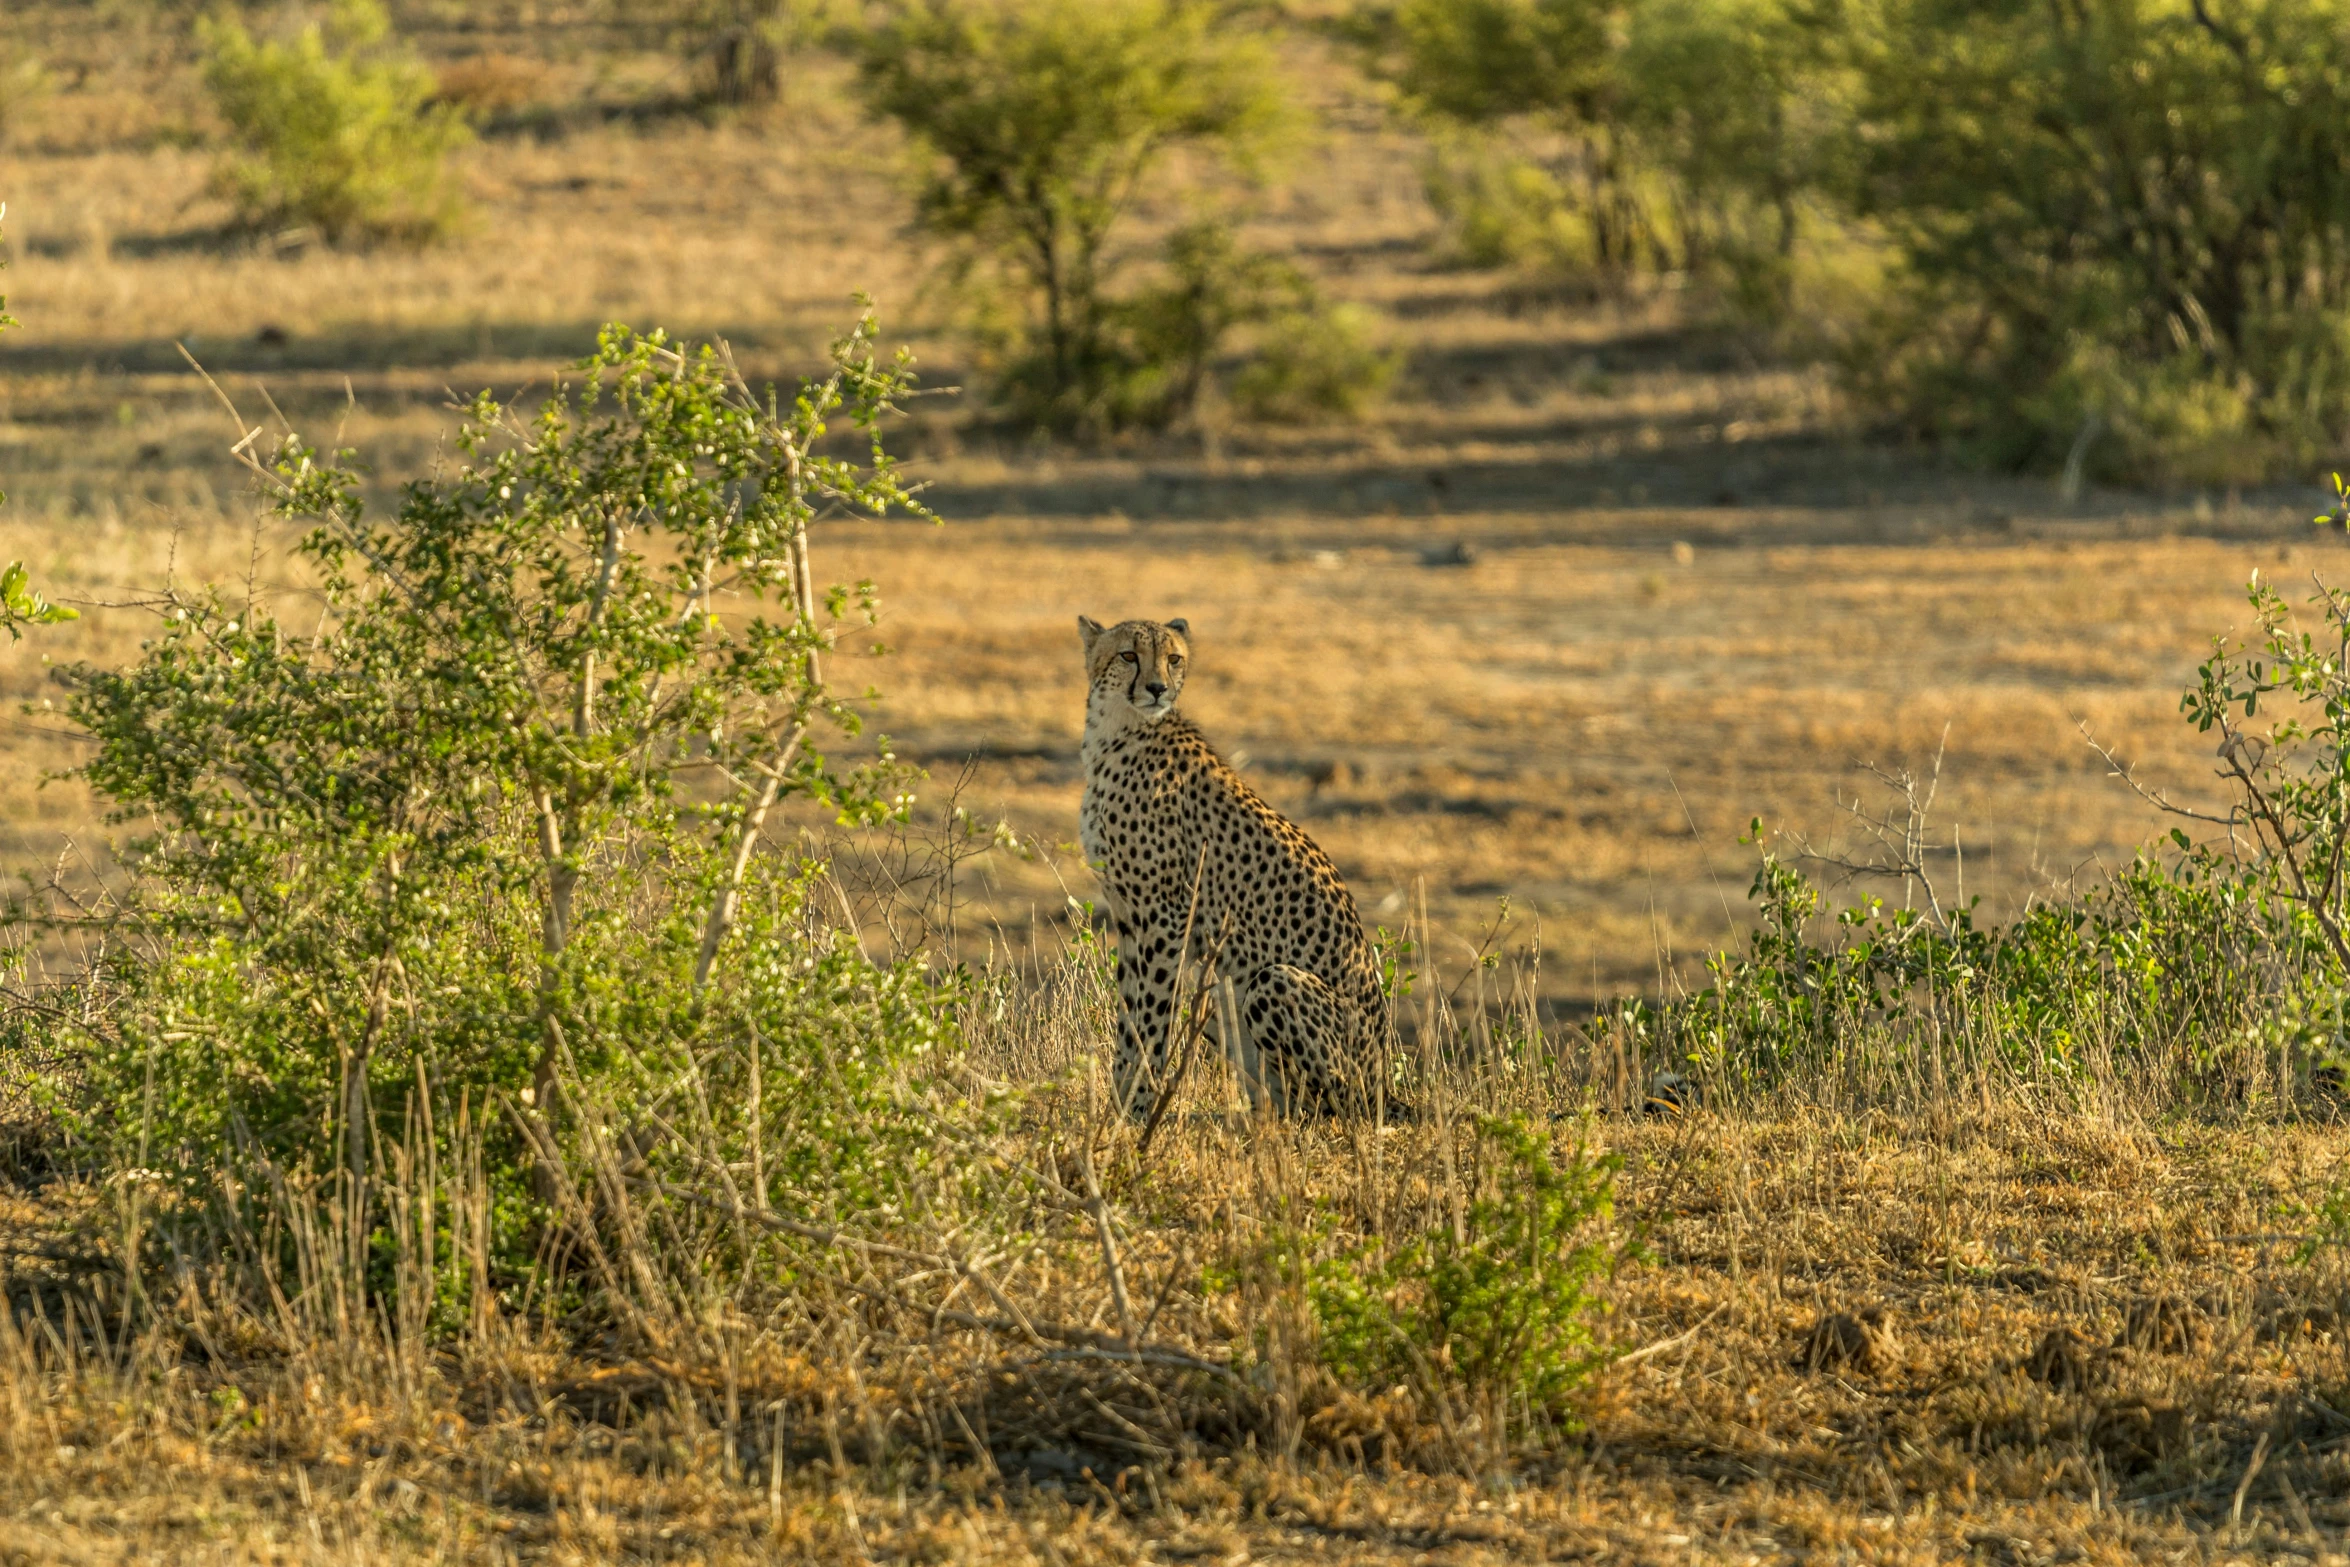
[(2104, 238), (1667, 136), (1035, 128), (334, 128), (2123, 229)]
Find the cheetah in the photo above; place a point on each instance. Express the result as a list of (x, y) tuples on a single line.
[(1310, 1029)]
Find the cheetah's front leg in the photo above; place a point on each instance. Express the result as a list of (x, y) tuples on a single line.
[(1146, 1006)]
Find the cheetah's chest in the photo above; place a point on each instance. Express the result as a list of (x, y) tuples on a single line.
[(1128, 819)]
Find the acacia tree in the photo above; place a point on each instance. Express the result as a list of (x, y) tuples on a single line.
[(569, 679), (1037, 125)]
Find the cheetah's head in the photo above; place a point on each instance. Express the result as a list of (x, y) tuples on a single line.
[(1136, 666)]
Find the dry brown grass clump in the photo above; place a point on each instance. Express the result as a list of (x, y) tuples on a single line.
[(1763, 1427), (1865, 1342)]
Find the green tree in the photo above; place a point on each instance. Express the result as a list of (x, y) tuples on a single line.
[(1635, 134), (335, 128), (2124, 228), (1037, 125)]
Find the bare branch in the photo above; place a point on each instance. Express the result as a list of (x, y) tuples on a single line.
[(2154, 797)]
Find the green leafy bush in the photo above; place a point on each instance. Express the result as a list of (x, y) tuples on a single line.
[(1667, 135), (1494, 1315), (2122, 231), (2177, 958), (2220, 959), (2292, 780), (335, 128), (479, 836), (1037, 126)]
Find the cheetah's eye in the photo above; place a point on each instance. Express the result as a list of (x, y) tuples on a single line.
[(1128, 655), (1174, 658)]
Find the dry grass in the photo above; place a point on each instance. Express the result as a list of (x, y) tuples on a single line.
[(1583, 728), (1693, 600), (1969, 1240)]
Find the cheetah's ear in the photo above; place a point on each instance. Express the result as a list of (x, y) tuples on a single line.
[(1089, 629), (1181, 628)]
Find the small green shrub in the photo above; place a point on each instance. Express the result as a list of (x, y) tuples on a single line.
[(335, 128), (2328, 1217), (1037, 126), (1323, 362), (1494, 1314)]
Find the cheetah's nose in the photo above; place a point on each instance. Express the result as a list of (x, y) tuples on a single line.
[(1155, 687)]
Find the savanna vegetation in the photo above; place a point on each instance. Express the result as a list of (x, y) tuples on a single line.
[(549, 1013)]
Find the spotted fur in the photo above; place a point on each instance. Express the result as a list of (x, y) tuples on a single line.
[(1162, 809)]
